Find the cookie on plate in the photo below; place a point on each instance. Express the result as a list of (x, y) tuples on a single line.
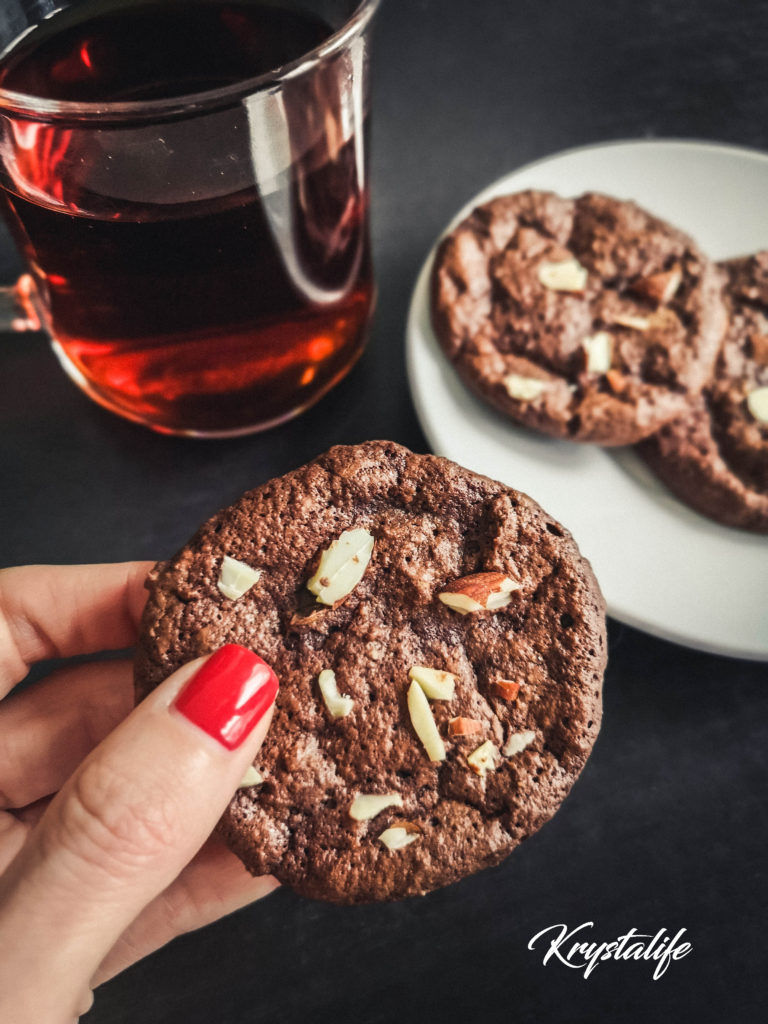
[(440, 645), (587, 319), (716, 458)]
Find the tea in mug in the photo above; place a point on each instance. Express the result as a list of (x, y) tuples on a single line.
[(200, 249)]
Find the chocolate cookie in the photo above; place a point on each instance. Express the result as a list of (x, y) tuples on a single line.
[(716, 458), (587, 319), (440, 645)]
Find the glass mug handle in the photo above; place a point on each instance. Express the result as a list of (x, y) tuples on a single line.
[(17, 310)]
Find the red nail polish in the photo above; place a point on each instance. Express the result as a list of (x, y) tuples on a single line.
[(229, 695)]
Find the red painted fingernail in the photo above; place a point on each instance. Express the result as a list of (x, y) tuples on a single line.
[(229, 695)]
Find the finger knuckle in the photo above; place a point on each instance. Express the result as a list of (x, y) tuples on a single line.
[(114, 822)]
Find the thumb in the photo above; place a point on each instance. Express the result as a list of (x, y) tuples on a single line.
[(125, 824)]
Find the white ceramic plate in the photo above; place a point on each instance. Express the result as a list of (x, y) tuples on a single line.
[(662, 567)]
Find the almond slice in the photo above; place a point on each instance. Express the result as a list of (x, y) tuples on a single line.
[(483, 760), (634, 323), (563, 276), (435, 683), (517, 742), (617, 381), (757, 403), (367, 805), (482, 591), (236, 578), (342, 566), (464, 727), (252, 777), (524, 389), (658, 288), (338, 704), (424, 723), (398, 836), (507, 689), (599, 350)]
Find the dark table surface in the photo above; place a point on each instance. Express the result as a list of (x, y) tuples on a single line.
[(668, 826)]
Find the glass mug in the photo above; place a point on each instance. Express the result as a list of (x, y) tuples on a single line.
[(194, 224)]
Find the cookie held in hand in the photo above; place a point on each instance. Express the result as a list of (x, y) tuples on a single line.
[(440, 645), (588, 319)]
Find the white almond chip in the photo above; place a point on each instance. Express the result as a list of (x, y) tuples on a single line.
[(367, 805), (517, 742), (563, 276), (757, 403), (338, 704), (396, 838), (342, 566), (673, 281), (599, 349), (252, 777), (437, 685), (524, 389), (424, 723), (502, 597), (236, 578), (635, 323), (483, 760)]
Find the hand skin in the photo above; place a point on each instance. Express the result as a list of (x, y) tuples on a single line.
[(106, 813)]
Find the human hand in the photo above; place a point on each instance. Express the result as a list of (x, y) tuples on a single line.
[(106, 812)]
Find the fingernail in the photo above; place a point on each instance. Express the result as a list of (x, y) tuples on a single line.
[(229, 695)]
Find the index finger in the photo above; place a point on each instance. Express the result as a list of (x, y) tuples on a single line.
[(56, 611)]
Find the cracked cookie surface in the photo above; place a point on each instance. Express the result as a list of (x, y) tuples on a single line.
[(433, 524), (716, 457), (587, 319)]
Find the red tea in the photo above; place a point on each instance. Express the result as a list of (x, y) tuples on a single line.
[(203, 267)]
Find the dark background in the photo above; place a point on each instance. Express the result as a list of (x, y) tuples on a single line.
[(668, 825)]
